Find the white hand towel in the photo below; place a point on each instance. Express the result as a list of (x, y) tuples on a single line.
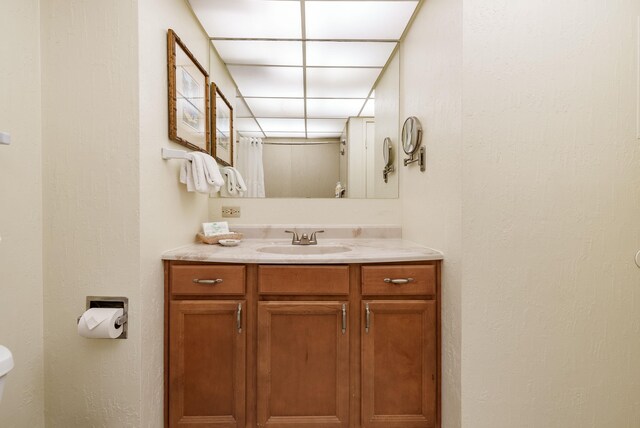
[(241, 186), (230, 190), (212, 173), (197, 167), (186, 173)]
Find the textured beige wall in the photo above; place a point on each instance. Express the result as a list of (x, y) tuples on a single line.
[(21, 213), (91, 175), (551, 172), (169, 216), (430, 88)]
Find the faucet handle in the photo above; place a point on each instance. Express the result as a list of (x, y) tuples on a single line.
[(313, 235), (295, 237)]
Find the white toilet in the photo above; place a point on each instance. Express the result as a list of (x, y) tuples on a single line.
[(6, 364)]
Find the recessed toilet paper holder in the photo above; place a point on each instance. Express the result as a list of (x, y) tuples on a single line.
[(112, 302)]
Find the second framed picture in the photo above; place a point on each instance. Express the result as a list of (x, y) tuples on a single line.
[(222, 126)]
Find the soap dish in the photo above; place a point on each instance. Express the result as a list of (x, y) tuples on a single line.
[(216, 239), (229, 242)]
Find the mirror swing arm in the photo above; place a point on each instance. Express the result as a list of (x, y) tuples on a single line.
[(411, 141)]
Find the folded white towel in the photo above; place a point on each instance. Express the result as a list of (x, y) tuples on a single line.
[(197, 167), (242, 187), (186, 173), (239, 181), (212, 173), (231, 188), (200, 172)]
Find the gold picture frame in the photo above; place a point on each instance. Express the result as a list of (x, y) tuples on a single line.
[(189, 109), (222, 126)]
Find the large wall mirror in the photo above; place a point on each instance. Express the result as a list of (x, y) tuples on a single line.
[(314, 103)]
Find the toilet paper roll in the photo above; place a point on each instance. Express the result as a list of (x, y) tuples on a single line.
[(100, 323)]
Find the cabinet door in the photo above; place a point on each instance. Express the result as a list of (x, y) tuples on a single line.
[(207, 364), (303, 364), (399, 364)]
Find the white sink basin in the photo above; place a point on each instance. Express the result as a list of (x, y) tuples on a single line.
[(304, 249)]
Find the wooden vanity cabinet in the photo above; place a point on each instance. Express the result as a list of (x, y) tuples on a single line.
[(302, 345)]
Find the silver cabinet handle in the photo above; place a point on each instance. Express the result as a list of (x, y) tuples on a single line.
[(239, 318), (344, 318), (398, 280), (207, 281), (367, 321)]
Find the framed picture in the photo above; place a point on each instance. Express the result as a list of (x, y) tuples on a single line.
[(188, 97), (222, 124)]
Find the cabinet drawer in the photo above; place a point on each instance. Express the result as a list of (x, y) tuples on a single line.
[(304, 280), (399, 279), (207, 279)]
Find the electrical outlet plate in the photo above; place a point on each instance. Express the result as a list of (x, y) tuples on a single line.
[(230, 212)]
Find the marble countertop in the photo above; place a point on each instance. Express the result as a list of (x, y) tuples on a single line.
[(361, 250)]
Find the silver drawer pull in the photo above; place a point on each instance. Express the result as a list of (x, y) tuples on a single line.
[(344, 318), (239, 318), (207, 281), (398, 280), (367, 318)]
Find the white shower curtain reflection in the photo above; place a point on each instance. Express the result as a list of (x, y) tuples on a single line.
[(249, 163)]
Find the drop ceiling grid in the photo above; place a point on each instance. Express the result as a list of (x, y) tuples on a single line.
[(373, 42)]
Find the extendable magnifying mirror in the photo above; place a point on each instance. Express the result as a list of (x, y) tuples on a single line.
[(411, 140)]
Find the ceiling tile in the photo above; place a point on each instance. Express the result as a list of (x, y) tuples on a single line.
[(268, 81), (375, 19), (249, 18), (261, 52), (276, 107), (241, 124), (369, 109), (319, 108), (281, 125), (325, 125), (349, 54), (340, 82)]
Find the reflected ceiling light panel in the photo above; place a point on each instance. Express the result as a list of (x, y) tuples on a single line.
[(259, 52), (276, 107), (349, 54), (325, 125), (241, 110), (249, 18), (268, 81), (357, 19), (281, 125), (369, 108), (333, 108), (340, 82), (242, 124)]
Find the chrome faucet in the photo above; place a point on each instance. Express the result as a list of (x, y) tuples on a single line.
[(304, 239)]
